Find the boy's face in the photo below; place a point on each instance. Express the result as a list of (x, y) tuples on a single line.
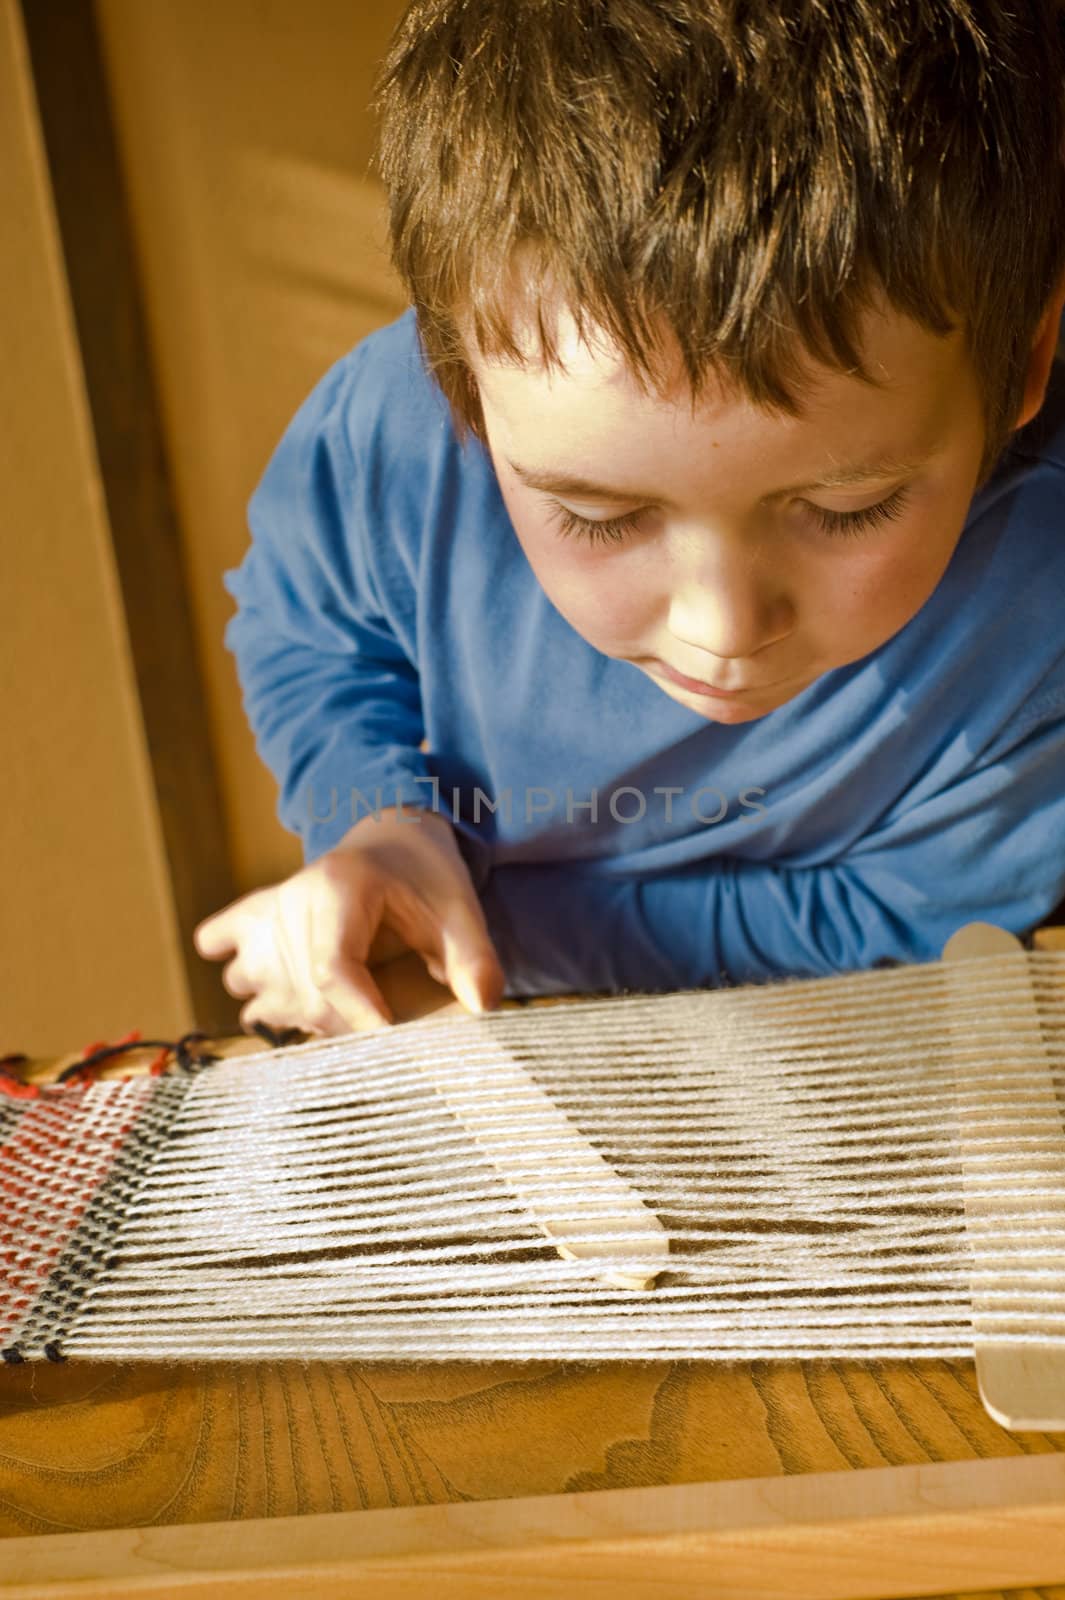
[(731, 554)]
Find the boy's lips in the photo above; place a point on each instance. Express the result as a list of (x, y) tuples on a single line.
[(695, 686)]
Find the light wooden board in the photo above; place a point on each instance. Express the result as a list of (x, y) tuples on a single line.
[(877, 1534)]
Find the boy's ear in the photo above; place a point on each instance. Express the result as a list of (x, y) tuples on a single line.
[(1043, 346)]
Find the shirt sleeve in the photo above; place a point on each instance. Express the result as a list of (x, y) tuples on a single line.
[(330, 689), (990, 847)]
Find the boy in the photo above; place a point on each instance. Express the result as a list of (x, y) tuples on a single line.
[(673, 596)]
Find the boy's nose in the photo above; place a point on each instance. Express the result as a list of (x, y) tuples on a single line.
[(732, 617)]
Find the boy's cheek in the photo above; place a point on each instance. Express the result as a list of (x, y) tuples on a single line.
[(602, 600), (883, 596)]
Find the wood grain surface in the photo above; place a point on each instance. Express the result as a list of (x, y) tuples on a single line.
[(86, 1446)]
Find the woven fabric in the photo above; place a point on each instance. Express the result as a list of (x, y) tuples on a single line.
[(71, 1162)]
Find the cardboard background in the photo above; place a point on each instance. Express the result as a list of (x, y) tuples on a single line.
[(88, 941)]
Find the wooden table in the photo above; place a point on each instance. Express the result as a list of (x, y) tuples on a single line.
[(345, 1479)]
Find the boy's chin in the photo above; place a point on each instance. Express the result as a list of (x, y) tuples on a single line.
[(729, 713)]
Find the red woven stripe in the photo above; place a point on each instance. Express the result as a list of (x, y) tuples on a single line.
[(60, 1153)]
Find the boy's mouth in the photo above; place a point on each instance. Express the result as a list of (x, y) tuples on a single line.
[(712, 691)]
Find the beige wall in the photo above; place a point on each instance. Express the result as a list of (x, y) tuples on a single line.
[(246, 139), (88, 943)]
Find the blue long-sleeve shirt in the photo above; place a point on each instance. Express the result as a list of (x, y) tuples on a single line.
[(393, 645)]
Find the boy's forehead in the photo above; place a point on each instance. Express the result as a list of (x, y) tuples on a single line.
[(587, 356), (908, 369)]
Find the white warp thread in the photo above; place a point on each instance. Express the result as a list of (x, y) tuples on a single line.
[(799, 1143)]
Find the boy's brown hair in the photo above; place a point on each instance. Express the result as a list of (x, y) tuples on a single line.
[(748, 171)]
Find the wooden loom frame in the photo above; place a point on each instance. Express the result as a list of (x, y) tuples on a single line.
[(844, 1535), (884, 1533)]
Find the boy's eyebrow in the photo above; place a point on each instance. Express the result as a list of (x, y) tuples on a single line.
[(863, 472), (566, 483), (580, 488)]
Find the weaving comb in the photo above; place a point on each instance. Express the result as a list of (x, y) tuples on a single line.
[(1017, 1239)]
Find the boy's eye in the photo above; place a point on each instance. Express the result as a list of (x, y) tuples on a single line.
[(610, 532), (840, 524), (846, 523)]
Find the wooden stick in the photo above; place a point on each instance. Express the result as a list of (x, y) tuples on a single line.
[(1022, 1386), (552, 1147)]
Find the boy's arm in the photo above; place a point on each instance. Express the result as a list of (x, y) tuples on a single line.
[(325, 640), (330, 688), (990, 847)]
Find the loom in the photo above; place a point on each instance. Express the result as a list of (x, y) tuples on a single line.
[(869, 1165)]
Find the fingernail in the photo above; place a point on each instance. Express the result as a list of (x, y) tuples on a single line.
[(468, 993)]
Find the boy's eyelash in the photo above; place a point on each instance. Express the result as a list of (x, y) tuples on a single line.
[(838, 523), (855, 522), (611, 532)]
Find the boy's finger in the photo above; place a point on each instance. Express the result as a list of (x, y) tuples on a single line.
[(284, 1014), (237, 982), (277, 1010), (333, 962), (216, 936), (473, 970), (356, 997), (256, 1011), (480, 986)]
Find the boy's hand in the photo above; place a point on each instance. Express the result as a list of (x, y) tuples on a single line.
[(302, 949)]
